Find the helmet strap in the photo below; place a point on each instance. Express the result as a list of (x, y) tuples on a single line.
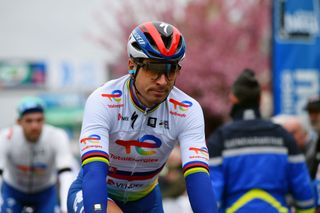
[(133, 76)]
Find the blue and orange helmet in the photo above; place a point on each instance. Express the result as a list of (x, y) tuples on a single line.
[(156, 40)]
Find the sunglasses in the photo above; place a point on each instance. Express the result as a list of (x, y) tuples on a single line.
[(156, 69)]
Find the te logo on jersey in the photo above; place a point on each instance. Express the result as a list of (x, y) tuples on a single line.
[(180, 107), (115, 96), (200, 152), (38, 168), (91, 139), (143, 146)]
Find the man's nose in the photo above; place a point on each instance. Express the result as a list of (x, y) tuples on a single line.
[(36, 125), (162, 79)]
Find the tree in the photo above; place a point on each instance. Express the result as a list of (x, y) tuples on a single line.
[(223, 37)]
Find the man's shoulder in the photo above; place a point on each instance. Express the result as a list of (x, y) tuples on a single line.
[(177, 95), (242, 127), (182, 106), (111, 88), (9, 132), (254, 123), (178, 92), (258, 127)]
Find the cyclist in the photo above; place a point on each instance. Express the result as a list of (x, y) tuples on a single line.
[(34, 157), (130, 126)]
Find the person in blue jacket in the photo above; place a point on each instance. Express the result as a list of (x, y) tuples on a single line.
[(254, 164)]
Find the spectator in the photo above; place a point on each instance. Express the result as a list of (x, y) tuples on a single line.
[(34, 157), (312, 148), (172, 185), (254, 162), (294, 125), (171, 179)]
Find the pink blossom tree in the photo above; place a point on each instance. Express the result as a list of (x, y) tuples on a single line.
[(222, 37), (222, 40)]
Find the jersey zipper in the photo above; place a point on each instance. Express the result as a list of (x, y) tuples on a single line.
[(31, 175), (145, 113)]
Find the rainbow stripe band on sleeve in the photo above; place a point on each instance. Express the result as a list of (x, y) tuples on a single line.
[(92, 156), (194, 167)]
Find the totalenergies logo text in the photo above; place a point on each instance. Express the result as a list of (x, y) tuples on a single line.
[(38, 168), (182, 106), (91, 139), (147, 141), (114, 96), (203, 151)]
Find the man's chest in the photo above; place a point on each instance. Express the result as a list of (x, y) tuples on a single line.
[(30, 156), (139, 136)]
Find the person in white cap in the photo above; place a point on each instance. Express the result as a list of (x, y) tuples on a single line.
[(35, 158)]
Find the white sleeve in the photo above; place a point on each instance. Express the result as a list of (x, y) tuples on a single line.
[(65, 180), (94, 138), (65, 164), (192, 138), (3, 145), (2, 154)]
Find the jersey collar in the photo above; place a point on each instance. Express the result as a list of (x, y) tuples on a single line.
[(135, 101), (245, 113)]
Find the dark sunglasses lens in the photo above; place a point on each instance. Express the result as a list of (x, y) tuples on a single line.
[(162, 68)]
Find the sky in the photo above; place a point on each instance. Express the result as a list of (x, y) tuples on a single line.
[(53, 31), (43, 28)]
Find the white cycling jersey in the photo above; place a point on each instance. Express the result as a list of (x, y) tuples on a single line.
[(137, 141), (32, 167)]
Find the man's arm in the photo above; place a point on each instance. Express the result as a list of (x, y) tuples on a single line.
[(299, 179), (94, 148), (65, 179), (200, 192), (64, 164), (95, 195), (5, 136), (195, 158)]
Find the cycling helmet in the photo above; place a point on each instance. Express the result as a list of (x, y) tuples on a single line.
[(156, 40), (30, 104)]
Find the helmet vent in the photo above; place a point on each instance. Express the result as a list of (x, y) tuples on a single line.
[(167, 40), (150, 39), (136, 45)]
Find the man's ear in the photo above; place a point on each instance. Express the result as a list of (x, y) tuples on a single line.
[(233, 99), (131, 64), (18, 121)]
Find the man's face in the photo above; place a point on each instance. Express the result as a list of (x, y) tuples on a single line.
[(32, 124), (297, 130), (155, 81), (314, 117)]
